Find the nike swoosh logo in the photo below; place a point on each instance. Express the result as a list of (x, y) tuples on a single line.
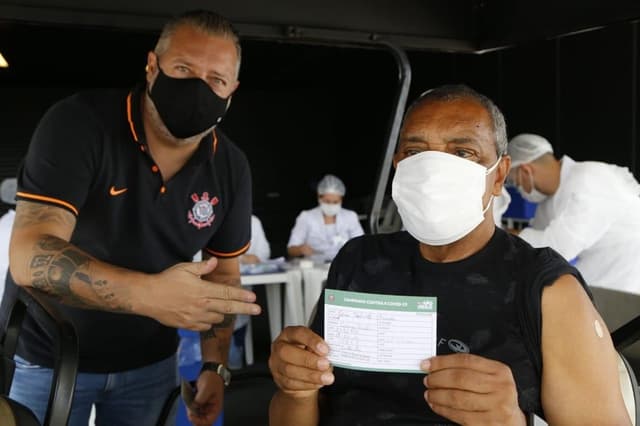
[(113, 191)]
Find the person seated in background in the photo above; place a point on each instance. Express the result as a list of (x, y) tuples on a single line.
[(8, 189), (323, 230), (587, 210), (502, 305), (259, 251)]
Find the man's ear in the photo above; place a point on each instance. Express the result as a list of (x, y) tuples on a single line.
[(152, 64), (502, 171)]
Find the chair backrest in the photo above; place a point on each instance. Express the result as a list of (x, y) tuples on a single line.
[(13, 413), (65, 369), (620, 311), (629, 389), (616, 307), (169, 409)]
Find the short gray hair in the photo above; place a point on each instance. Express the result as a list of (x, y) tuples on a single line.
[(206, 21), (451, 92)]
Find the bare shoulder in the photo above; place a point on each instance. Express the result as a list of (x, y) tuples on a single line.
[(566, 288), (569, 317), (580, 376)]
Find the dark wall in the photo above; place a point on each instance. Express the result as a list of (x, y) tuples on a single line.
[(439, 24), (579, 91), (302, 111), (504, 22), (596, 96)]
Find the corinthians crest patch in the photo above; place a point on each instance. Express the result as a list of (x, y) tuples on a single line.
[(201, 214)]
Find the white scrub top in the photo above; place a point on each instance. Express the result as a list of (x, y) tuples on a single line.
[(325, 239), (259, 244), (500, 205), (6, 224), (594, 216)]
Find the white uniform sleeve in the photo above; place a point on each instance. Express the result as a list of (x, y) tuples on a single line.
[(259, 244), (500, 206), (6, 224), (585, 219), (355, 229), (300, 230)]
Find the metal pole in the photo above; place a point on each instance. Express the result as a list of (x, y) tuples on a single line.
[(404, 82), (634, 98)]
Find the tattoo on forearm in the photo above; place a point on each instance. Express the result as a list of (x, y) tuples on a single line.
[(63, 271), (227, 322)]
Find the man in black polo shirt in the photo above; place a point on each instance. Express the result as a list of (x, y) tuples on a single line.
[(118, 191)]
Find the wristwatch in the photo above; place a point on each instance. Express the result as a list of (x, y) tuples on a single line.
[(219, 369)]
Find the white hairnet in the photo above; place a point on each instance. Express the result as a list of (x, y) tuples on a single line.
[(527, 147), (331, 184), (8, 189)]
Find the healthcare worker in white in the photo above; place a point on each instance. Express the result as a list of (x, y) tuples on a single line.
[(500, 206), (587, 211), (319, 233), (259, 250), (8, 197)]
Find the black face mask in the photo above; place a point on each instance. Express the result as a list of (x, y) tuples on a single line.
[(187, 106)]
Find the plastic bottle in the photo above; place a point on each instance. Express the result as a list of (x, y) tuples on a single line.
[(189, 352)]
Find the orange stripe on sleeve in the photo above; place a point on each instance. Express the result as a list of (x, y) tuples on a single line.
[(48, 200), (233, 254), (215, 141), (131, 126)]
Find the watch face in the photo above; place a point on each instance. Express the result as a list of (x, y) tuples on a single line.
[(219, 369), (225, 374)]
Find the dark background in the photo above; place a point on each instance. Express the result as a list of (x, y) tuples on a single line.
[(305, 110)]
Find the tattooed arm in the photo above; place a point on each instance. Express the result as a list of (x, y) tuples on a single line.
[(215, 341), (41, 257)]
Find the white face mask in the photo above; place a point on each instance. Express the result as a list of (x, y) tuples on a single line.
[(439, 196), (330, 209), (534, 196)]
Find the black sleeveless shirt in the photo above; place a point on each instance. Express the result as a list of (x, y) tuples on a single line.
[(488, 305)]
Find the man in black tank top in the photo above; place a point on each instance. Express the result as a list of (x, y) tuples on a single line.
[(504, 309)]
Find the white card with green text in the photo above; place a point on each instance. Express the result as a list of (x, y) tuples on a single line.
[(379, 332)]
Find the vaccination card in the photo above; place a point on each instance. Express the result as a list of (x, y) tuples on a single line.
[(379, 332)]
